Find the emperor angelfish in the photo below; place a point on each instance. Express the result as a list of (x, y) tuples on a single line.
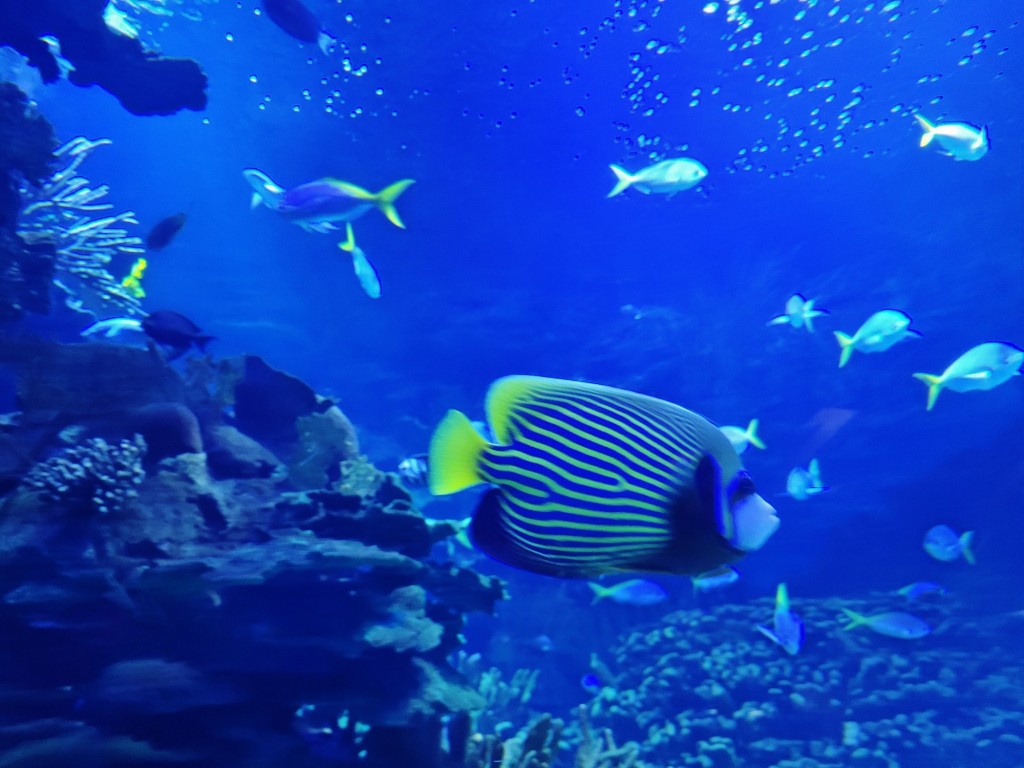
[(589, 479)]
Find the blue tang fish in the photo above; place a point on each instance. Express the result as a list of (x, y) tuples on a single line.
[(318, 206), (589, 479)]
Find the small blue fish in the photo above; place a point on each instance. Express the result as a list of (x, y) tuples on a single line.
[(800, 313), (945, 544), (712, 581), (920, 590), (787, 628), (804, 483), (902, 626), (318, 206), (364, 270), (666, 178), (633, 592), (591, 683), (983, 367), (878, 333)]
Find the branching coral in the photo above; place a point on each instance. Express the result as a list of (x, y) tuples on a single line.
[(96, 475), (64, 210)]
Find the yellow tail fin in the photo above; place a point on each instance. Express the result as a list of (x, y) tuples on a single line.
[(929, 130), (845, 347), (622, 180), (600, 592), (751, 434), (965, 547), (455, 452), (934, 384), (856, 619), (350, 244), (385, 200)]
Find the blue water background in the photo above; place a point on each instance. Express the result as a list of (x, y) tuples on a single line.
[(515, 262)]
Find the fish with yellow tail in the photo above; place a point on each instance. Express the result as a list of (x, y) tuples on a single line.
[(787, 630), (983, 367), (365, 273), (741, 438), (896, 624), (664, 178), (879, 332), (961, 141), (587, 479), (319, 206)]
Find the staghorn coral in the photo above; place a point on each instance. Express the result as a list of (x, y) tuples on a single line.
[(95, 476), (63, 211)]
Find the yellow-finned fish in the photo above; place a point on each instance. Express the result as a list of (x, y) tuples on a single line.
[(589, 479), (983, 367), (961, 141), (132, 282), (665, 178)]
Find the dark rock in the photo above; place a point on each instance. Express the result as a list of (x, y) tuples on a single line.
[(231, 453), (268, 402), (168, 429), (144, 82)]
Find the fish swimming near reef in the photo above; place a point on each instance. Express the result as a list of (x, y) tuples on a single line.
[(665, 178), (164, 231), (787, 630), (901, 626), (589, 479), (175, 331), (112, 327), (132, 282), (319, 206), (641, 592), (946, 545), (297, 21), (365, 273), (715, 580), (878, 333), (980, 368), (961, 141), (800, 313)]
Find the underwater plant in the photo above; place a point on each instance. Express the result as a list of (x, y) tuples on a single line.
[(64, 210)]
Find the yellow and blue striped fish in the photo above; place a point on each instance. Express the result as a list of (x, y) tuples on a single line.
[(589, 479)]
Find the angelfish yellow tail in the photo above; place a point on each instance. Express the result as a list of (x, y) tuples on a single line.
[(455, 451), (622, 180), (934, 384), (845, 347), (385, 200), (929, 130)]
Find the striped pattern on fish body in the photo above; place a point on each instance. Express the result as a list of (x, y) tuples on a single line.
[(589, 479)]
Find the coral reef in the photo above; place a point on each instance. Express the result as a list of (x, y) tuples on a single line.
[(702, 689), (144, 82), (62, 212), (93, 477), (162, 612)]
